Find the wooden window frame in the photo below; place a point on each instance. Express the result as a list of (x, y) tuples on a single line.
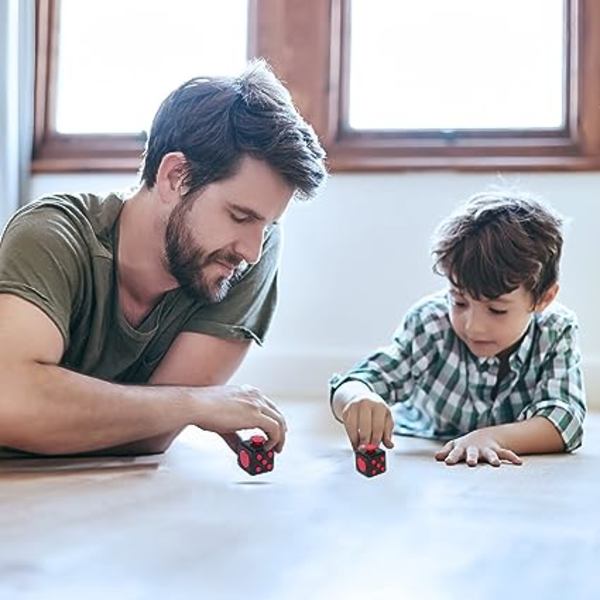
[(304, 42)]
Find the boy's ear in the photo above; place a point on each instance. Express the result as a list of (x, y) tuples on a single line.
[(547, 298)]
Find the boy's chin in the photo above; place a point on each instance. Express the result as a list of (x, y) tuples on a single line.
[(484, 350)]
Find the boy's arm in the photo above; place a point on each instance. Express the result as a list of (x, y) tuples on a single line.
[(360, 399), (532, 436), (552, 422), (503, 442)]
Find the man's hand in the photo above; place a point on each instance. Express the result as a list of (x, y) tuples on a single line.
[(368, 420), (478, 446), (227, 409)]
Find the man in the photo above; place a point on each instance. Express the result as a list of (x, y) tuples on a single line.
[(122, 320)]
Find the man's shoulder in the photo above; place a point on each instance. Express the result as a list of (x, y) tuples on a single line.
[(68, 216)]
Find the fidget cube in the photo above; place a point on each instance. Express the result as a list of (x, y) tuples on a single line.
[(253, 457), (370, 460)]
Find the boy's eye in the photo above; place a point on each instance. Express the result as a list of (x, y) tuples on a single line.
[(458, 302), (495, 311)]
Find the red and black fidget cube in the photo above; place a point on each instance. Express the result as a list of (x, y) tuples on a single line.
[(370, 460), (253, 457)]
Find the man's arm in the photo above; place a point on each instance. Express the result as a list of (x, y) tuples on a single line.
[(193, 359), (50, 410)]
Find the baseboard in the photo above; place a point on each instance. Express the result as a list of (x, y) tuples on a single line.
[(305, 374)]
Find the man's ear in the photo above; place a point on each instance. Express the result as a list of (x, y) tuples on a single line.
[(170, 177), (547, 298)]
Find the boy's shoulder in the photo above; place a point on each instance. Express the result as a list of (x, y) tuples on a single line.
[(556, 316), (430, 314), (553, 324)]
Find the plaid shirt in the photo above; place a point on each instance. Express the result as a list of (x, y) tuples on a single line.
[(439, 389)]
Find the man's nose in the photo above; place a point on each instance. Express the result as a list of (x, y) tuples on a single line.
[(251, 247)]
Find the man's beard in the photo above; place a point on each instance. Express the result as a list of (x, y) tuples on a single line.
[(187, 261)]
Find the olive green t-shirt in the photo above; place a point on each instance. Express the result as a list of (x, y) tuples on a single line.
[(59, 253)]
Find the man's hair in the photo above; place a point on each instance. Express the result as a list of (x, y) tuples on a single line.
[(215, 122), (497, 242)]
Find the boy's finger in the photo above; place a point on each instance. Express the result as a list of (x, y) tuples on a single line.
[(472, 456), (491, 457), (455, 456), (388, 431), (364, 426), (510, 456), (444, 451), (351, 425), (377, 426)]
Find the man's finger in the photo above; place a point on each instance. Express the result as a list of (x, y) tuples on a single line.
[(232, 440), (275, 408), (273, 431)]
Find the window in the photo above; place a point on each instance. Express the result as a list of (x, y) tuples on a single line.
[(399, 84), (442, 66), (107, 66)]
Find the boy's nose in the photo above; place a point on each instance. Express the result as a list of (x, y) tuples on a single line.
[(474, 328)]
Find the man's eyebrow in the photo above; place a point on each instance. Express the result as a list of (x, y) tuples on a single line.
[(246, 211)]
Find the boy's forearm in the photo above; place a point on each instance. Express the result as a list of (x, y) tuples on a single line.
[(532, 436), (347, 392)]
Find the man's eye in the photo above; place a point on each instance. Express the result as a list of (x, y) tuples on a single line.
[(238, 219)]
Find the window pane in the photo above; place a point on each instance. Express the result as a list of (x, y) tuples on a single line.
[(117, 59), (459, 64)]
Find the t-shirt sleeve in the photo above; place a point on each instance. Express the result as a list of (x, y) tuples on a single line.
[(40, 262), (247, 311)]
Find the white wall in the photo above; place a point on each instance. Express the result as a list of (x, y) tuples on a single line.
[(357, 257)]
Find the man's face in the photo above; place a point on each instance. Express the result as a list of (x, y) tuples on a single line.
[(211, 239), (489, 327)]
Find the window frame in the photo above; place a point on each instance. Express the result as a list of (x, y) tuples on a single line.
[(304, 41)]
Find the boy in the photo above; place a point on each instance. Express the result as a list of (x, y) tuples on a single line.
[(490, 364)]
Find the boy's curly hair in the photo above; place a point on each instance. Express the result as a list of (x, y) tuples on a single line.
[(498, 241)]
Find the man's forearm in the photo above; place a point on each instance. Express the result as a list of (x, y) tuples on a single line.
[(532, 436), (49, 410)]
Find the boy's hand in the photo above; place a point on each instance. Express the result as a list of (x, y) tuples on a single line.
[(477, 446), (368, 420)]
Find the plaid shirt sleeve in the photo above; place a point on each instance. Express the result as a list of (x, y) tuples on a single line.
[(388, 371), (560, 394)]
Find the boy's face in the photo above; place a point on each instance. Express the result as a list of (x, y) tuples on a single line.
[(489, 327)]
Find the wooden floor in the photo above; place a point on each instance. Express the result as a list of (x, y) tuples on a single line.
[(191, 524)]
